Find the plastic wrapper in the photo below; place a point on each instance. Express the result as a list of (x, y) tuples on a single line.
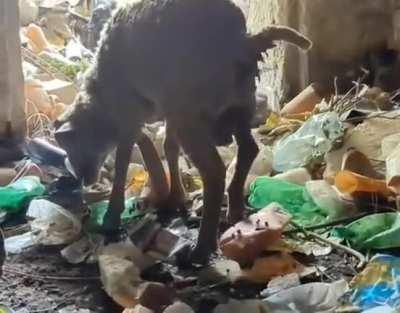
[(16, 196), (315, 138), (376, 231), (377, 287), (293, 198), (98, 211)]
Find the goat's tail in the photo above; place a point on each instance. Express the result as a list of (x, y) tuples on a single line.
[(265, 39)]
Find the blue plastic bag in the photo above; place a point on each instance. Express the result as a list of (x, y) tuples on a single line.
[(378, 284)]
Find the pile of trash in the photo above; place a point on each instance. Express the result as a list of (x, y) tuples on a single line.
[(58, 39), (323, 196)]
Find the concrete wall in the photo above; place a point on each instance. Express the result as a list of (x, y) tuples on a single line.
[(343, 32), (11, 77)]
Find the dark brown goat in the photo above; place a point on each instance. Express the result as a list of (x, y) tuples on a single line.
[(190, 62)]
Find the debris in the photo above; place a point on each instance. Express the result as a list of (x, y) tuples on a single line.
[(54, 224), (17, 195), (349, 182), (305, 101), (316, 137), (73, 309), (163, 245), (5, 309), (366, 138), (38, 101), (297, 176), (138, 309), (294, 199), (357, 162), (280, 283), (327, 198), (178, 307), (83, 249), (261, 166), (222, 270), (137, 178), (245, 248), (378, 285), (98, 211), (389, 144), (7, 175), (247, 239), (120, 277), (266, 268), (28, 11), (128, 251), (312, 297), (237, 306), (358, 255), (16, 244), (155, 296), (64, 91), (37, 39), (393, 169), (375, 231), (2, 252)]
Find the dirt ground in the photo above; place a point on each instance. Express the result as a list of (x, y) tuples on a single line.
[(39, 280)]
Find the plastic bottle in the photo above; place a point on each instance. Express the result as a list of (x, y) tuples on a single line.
[(349, 182)]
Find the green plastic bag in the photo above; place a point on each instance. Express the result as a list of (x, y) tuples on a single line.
[(16, 196), (376, 231), (292, 197), (98, 211)]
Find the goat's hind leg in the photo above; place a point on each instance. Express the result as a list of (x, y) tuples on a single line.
[(247, 152)]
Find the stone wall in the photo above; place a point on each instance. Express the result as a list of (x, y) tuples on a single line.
[(11, 77)]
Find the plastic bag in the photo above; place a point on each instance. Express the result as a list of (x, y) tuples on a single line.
[(99, 210), (16, 196), (54, 224), (326, 197), (315, 138), (378, 284), (313, 297), (293, 198), (376, 231)]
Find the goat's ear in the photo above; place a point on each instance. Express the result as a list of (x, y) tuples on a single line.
[(57, 123), (65, 133)]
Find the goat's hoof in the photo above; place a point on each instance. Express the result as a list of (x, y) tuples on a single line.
[(194, 257), (112, 231), (236, 215), (114, 236), (172, 207)]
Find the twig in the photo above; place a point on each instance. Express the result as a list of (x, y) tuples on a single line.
[(50, 309), (345, 220), (46, 277), (361, 258)]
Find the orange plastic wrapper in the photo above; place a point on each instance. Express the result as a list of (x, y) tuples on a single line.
[(245, 241)]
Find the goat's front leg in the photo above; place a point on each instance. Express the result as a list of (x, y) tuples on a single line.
[(112, 220), (198, 143)]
